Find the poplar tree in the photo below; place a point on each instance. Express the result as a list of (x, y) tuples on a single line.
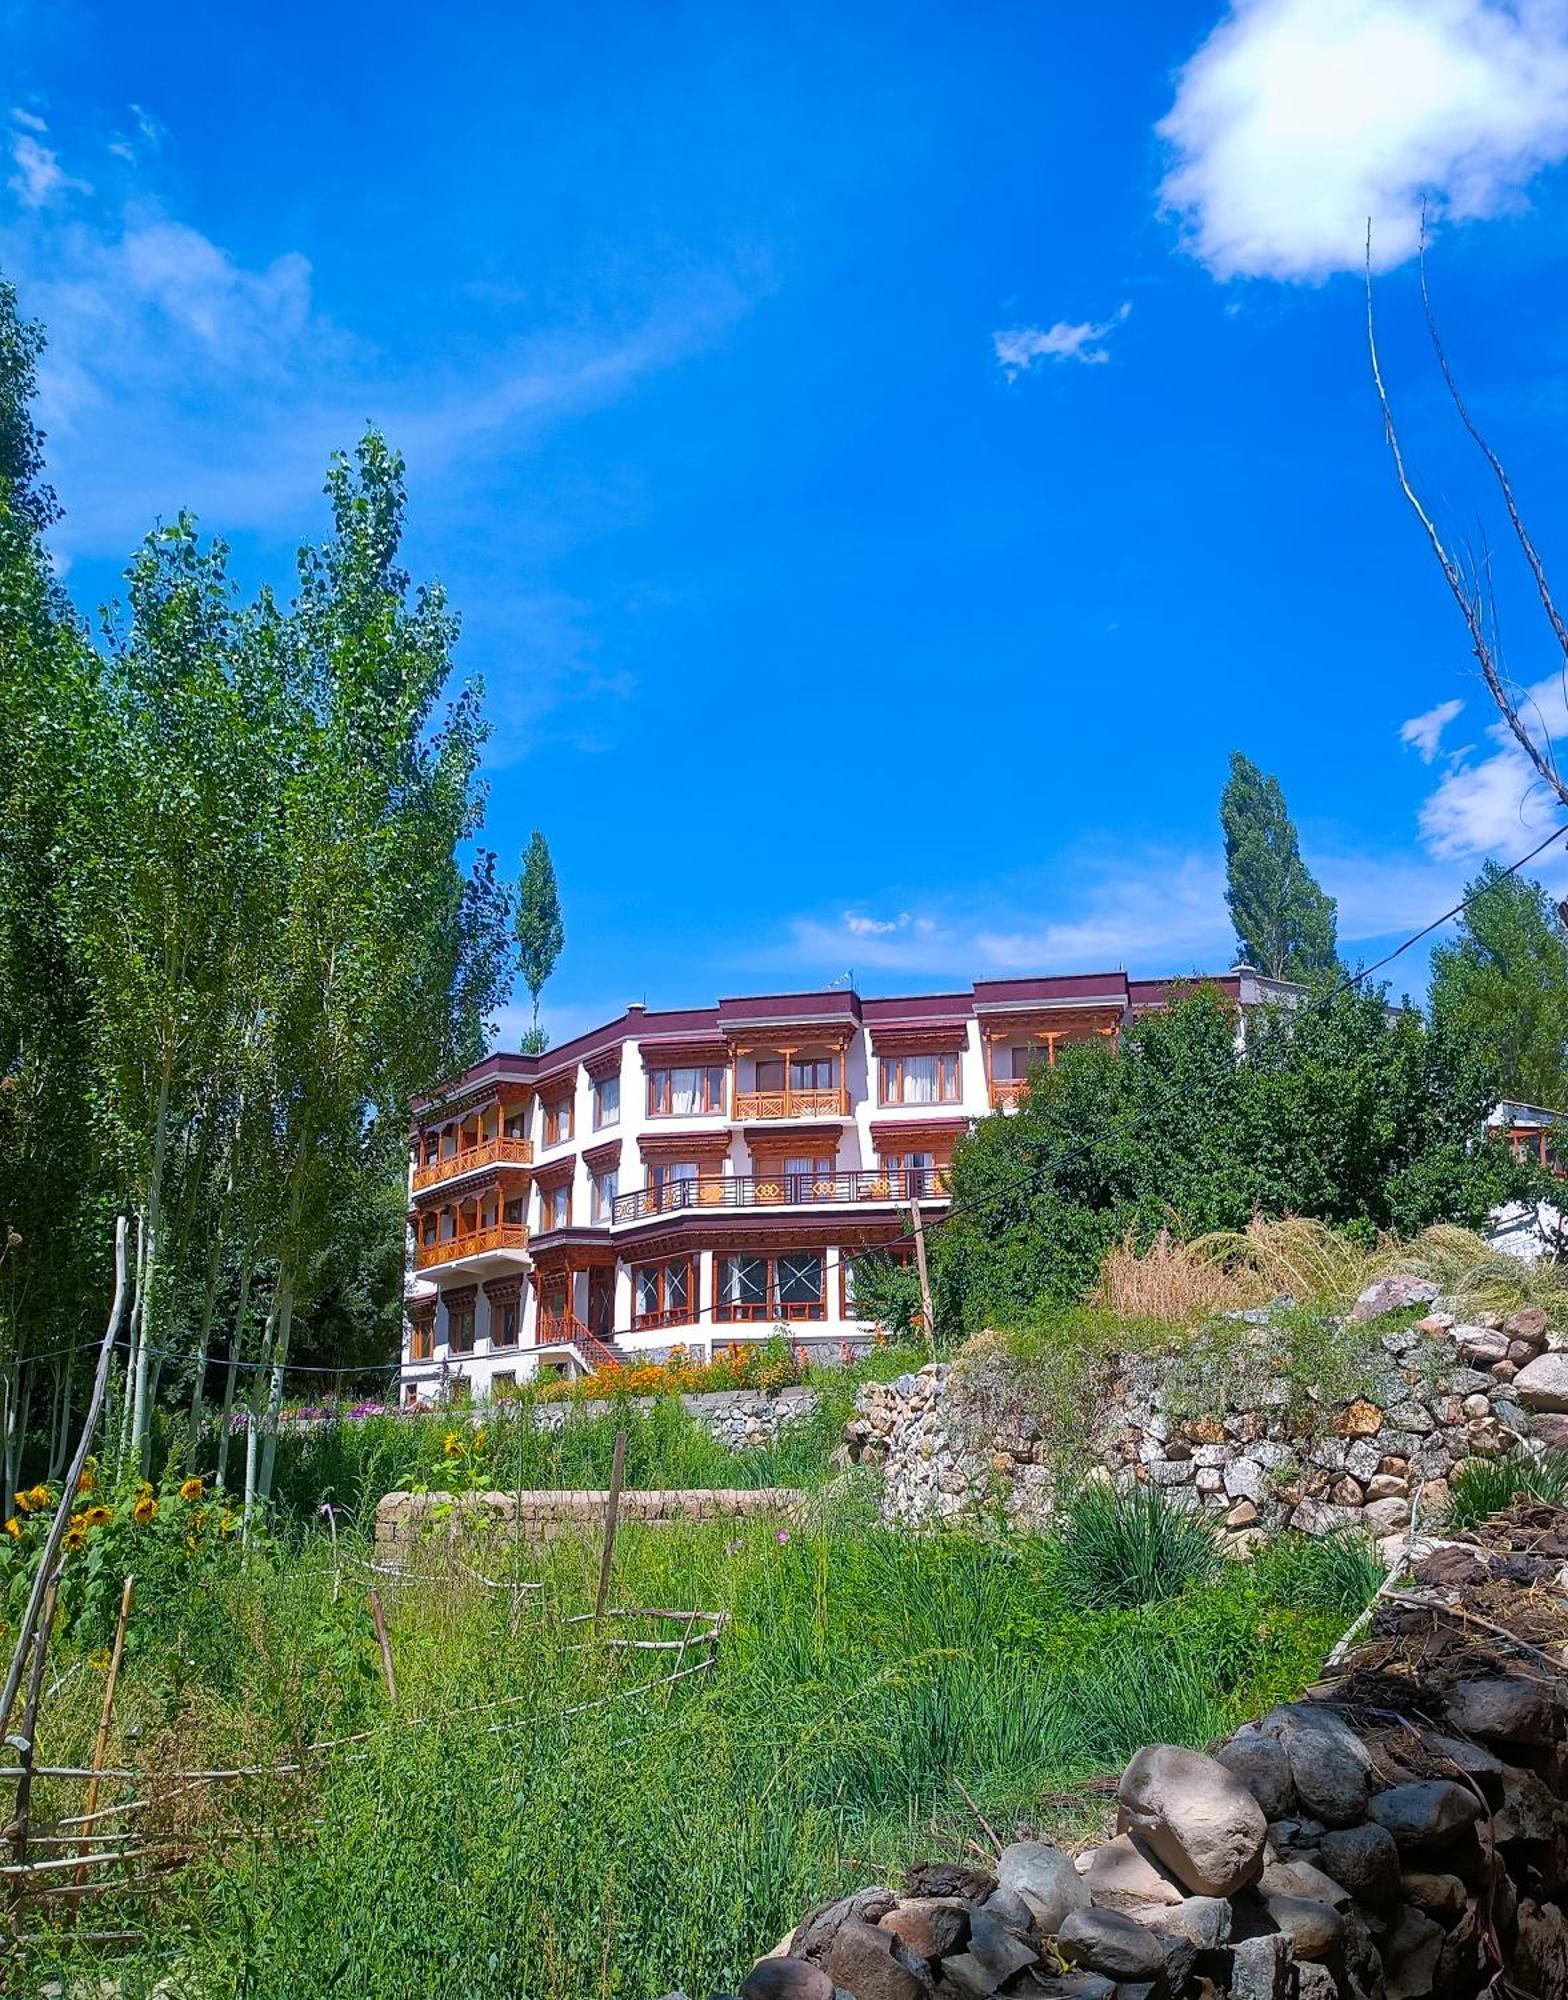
[(1285, 924), (1502, 986), (540, 933)]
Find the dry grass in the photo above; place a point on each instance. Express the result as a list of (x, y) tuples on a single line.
[(1228, 1270)]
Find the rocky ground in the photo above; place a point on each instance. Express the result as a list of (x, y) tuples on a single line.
[(1398, 1834)]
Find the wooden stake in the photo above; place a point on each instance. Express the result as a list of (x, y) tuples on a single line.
[(101, 1741), (24, 1788), (386, 1645), (925, 1282), (612, 1513)]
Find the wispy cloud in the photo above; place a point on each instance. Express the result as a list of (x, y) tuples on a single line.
[(1297, 120), (1424, 733), (1492, 802), (1018, 348), (29, 120), (39, 176)]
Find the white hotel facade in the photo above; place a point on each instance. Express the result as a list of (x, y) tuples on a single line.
[(707, 1176)]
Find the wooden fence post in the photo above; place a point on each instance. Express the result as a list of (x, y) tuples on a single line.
[(612, 1514), (101, 1740)]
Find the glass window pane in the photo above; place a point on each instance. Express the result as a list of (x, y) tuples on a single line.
[(648, 1289), (676, 1279), (800, 1278), (745, 1281)]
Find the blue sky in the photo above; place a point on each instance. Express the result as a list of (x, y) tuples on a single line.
[(885, 457)]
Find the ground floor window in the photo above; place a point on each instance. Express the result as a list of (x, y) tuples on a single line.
[(503, 1384), (788, 1286), (421, 1340), (460, 1330), (665, 1294), (503, 1324)]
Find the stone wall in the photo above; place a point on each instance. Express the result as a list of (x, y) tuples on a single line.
[(1241, 1440), (406, 1522), (1399, 1834), (736, 1417)]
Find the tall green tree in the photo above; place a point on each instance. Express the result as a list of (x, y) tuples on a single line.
[(540, 933), (1285, 924), (1502, 985)]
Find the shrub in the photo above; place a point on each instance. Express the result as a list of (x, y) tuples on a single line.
[(1484, 1486), (1124, 1549)]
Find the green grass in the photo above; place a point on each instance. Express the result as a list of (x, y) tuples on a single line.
[(1125, 1549), (657, 1840), (1483, 1486)]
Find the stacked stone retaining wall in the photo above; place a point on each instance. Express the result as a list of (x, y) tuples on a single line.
[(735, 1417), (406, 1522)]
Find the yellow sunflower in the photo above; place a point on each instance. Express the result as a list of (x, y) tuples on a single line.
[(87, 1480), (39, 1498), (75, 1537), (96, 1517), (191, 1489), (145, 1510), (13, 1528), (452, 1445)]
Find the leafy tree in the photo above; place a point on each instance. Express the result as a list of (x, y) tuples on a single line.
[(540, 934), (1344, 1110), (1285, 924), (1502, 985)]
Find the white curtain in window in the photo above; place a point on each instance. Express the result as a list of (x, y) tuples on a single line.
[(685, 1091)]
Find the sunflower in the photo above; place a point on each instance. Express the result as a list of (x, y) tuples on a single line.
[(13, 1528), (452, 1445), (39, 1497), (75, 1537), (227, 1524), (191, 1489), (96, 1517), (87, 1480), (145, 1510)]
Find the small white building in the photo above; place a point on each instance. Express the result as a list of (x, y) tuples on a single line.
[(706, 1176)]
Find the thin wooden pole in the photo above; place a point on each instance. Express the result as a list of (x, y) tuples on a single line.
[(386, 1645), (51, 1552), (920, 1265), (24, 1787), (612, 1513), (101, 1740)]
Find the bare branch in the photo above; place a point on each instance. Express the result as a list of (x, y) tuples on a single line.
[(1470, 607)]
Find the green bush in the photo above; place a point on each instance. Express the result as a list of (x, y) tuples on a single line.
[(1124, 1549)]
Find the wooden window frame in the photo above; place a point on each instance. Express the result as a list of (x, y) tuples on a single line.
[(600, 1085), (895, 1063), (601, 1207), (558, 1113), (661, 1092), (664, 1314), (773, 1307), (547, 1197), (466, 1315), (421, 1339)]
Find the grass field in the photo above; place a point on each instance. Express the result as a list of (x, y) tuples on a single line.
[(653, 1839)]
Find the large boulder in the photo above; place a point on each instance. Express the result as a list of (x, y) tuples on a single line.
[(1045, 1880), (1329, 1764), (1425, 1813), (1106, 1941), (1262, 1766), (1395, 1293), (1366, 1860), (1122, 1874), (1197, 1817), (1506, 1708), (873, 1965), (1542, 1384)]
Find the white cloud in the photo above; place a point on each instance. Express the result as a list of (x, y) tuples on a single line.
[(1297, 120), (1495, 803), (1424, 733), (29, 119), (39, 176), (862, 926), (1019, 347)]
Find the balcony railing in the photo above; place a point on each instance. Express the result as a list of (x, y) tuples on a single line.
[(784, 1190), (1008, 1090), (562, 1329), (500, 1152), (791, 1104), (500, 1236)]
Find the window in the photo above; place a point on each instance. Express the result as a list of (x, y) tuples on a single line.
[(664, 1292), (410, 1394), (787, 1287), (558, 1121), (514, 1210), (805, 1073), (606, 1101), (503, 1324), (555, 1206), (517, 1125), (1030, 1056), (460, 1330), (503, 1384), (685, 1093), (673, 1183), (921, 1174), (421, 1340), (606, 1186), (432, 1150), (918, 1079)]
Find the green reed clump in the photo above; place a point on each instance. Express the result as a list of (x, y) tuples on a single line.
[(1122, 1548), (1483, 1486)]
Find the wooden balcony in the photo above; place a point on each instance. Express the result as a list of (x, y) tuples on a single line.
[(791, 1104), (476, 1243), (1008, 1091), (500, 1152), (858, 1185)]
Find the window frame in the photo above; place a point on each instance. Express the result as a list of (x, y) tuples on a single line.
[(559, 1120), (891, 1066), (661, 1089), (602, 1084), (465, 1317), (664, 1313), (604, 1189), (773, 1307)]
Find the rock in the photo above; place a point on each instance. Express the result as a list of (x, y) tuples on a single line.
[(869, 1962), (1245, 1479), (1538, 1962), (1242, 1515), (1388, 1486), (1318, 1518), (1197, 1817), (1314, 1928), (1262, 1968), (1302, 1880), (786, 1979), (1439, 1896), (1529, 1811), (814, 1937), (1316, 1982), (1263, 1767), (1204, 1921), (1480, 1345), (1506, 1708), (1106, 1941), (930, 1926), (1410, 1956), (1426, 1812), (994, 1956), (1329, 1764), (1347, 1492), (1528, 1323), (1387, 1517), (1044, 1879), (1543, 1383), (1360, 1419), (1395, 1293), (1010, 1910), (1076, 1986), (1123, 1873), (1366, 1860)]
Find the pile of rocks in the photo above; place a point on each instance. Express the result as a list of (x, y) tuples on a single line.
[(1397, 1835), (1443, 1390)]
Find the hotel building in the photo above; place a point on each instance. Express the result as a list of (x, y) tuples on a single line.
[(699, 1177)]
